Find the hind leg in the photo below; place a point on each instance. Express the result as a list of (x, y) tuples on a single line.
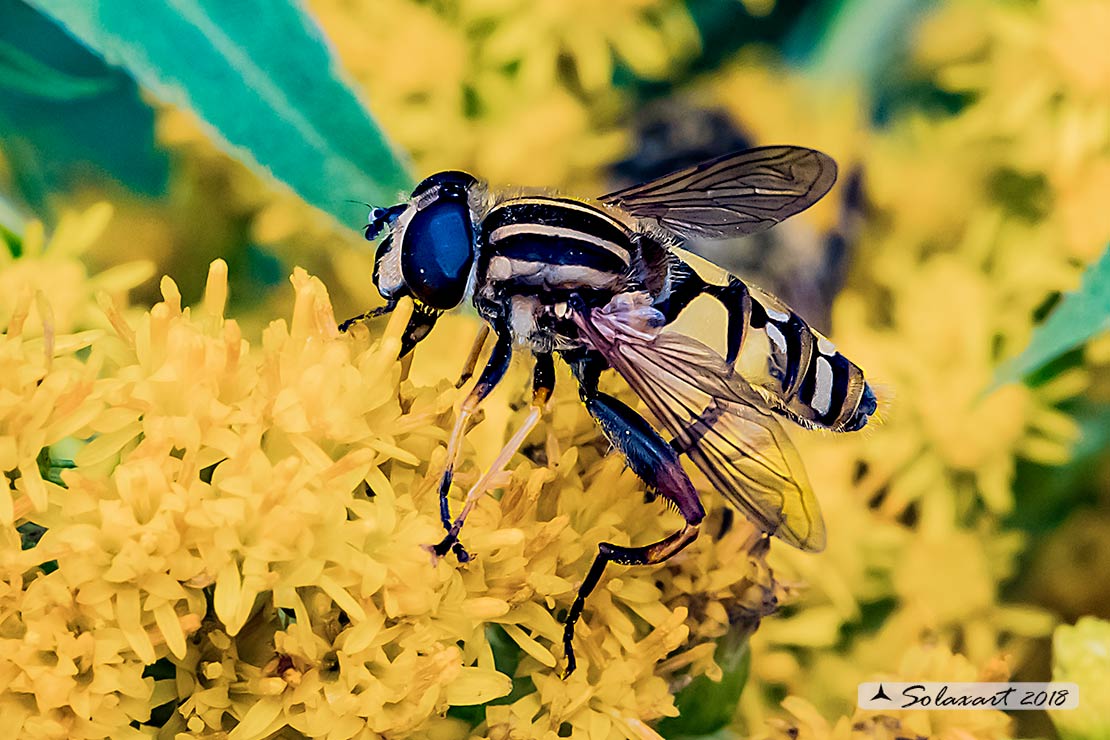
[(656, 463)]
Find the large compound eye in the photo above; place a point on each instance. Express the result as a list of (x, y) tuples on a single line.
[(438, 252)]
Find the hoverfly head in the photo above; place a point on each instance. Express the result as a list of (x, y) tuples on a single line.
[(430, 248), (435, 241)]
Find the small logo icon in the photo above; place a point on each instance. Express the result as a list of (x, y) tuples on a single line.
[(880, 694)]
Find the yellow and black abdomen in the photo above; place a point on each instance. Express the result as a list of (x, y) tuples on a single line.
[(807, 378)]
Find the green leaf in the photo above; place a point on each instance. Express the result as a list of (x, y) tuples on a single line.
[(68, 119), (706, 707), (858, 38), (260, 74), (1078, 317)]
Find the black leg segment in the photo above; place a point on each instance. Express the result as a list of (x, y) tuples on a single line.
[(420, 323), (655, 462), (419, 326), (543, 378), (379, 311), (491, 375), (607, 552)]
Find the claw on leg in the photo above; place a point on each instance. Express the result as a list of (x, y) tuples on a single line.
[(454, 444)]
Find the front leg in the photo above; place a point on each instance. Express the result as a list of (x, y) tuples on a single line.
[(543, 382), (655, 462), (421, 323), (494, 371)]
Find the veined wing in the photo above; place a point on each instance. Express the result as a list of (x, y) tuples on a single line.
[(741, 193), (716, 418)]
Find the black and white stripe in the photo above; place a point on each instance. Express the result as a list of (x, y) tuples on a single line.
[(814, 383), (555, 242)]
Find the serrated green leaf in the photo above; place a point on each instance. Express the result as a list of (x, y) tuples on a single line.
[(1080, 316), (260, 74)]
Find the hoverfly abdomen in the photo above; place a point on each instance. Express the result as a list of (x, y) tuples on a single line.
[(808, 379)]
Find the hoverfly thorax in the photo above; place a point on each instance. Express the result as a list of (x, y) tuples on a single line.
[(429, 252)]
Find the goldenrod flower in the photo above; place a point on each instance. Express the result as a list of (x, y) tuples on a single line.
[(1081, 655), (926, 663)]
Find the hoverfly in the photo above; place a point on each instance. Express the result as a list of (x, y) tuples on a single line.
[(597, 283)]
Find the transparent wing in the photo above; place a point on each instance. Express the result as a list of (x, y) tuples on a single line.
[(737, 194), (717, 420)]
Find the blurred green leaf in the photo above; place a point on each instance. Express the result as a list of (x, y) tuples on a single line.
[(1078, 317), (706, 707), (67, 119), (261, 75), (855, 40)]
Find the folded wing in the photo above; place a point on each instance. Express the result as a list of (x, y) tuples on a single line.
[(716, 419), (737, 194)]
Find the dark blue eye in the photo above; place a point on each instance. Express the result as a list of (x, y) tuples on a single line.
[(438, 251)]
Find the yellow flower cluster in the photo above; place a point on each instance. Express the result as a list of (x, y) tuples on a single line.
[(524, 88), (235, 528), (920, 663), (239, 539), (1081, 655)]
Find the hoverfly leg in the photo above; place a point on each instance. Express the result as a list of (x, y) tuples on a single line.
[(479, 488), (375, 313), (543, 379), (472, 358), (607, 553), (543, 384), (495, 369), (419, 326), (655, 462)]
